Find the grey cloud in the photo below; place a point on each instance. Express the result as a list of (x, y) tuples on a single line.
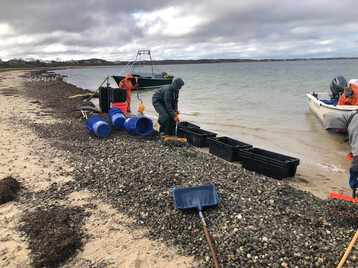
[(280, 28)]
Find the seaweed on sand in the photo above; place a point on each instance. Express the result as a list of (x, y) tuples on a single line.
[(53, 234), (8, 189)]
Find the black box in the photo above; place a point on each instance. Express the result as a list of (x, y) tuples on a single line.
[(196, 136), (186, 125), (268, 163), (103, 99), (183, 126), (117, 95), (227, 148)]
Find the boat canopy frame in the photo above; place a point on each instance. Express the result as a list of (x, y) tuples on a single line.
[(137, 62)]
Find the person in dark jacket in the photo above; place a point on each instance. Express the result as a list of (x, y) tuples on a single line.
[(346, 122), (165, 102)]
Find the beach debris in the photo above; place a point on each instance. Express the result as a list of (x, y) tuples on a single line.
[(83, 96), (43, 77), (84, 115), (87, 108), (8, 189), (53, 234)]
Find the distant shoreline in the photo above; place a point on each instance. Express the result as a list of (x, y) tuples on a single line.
[(26, 64)]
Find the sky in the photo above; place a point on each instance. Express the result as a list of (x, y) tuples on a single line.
[(178, 29)]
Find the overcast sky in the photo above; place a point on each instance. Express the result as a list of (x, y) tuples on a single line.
[(180, 29)]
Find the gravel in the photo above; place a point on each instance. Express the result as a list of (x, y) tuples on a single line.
[(260, 222)]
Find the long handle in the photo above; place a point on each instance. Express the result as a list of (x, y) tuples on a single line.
[(176, 132), (98, 87), (209, 239), (348, 250)]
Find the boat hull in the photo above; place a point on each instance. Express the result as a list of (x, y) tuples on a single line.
[(321, 103), (145, 82)]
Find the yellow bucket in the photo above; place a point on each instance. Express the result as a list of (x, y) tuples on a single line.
[(141, 108)]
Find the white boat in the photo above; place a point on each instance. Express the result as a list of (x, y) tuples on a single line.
[(323, 102)]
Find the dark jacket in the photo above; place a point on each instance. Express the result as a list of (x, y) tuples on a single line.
[(168, 96)]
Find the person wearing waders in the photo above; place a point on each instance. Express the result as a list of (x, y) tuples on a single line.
[(165, 102), (346, 122), (126, 84)]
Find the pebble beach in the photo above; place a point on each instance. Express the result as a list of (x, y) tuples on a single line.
[(124, 185)]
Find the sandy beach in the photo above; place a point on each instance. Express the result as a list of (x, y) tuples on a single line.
[(32, 160)]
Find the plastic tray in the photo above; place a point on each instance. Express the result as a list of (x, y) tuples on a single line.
[(186, 125), (269, 163), (196, 136), (227, 148)]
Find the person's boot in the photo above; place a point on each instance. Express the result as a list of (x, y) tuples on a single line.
[(354, 192)]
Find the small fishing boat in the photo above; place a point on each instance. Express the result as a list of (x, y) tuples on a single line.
[(146, 80), (324, 102)]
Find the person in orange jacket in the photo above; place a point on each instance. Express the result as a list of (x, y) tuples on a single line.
[(127, 84), (350, 94)]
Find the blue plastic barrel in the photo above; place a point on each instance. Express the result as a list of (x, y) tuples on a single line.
[(139, 125), (117, 117), (98, 126)]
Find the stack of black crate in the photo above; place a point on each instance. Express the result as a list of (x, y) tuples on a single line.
[(109, 95)]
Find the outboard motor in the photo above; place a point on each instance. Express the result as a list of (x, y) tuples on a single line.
[(337, 86)]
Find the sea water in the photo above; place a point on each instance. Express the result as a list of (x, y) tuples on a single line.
[(260, 103)]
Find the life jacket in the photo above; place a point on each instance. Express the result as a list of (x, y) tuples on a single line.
[(343, 100)]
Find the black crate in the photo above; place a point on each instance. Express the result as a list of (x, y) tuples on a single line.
[(103, 99), (183, 126), (117, 95), (186, 125), (268, 163), (227, 148), (196, 136)]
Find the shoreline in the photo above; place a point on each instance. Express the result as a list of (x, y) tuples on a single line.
[(130, 180), (85, 63)]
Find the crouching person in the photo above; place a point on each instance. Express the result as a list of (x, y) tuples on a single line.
[(165, 102)]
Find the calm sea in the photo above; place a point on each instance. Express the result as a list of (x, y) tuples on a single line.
[(260, 103)]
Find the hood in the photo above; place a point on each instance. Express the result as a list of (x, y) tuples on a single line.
[(353, 82), (177, 83), (129, 76), (335, 120)]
